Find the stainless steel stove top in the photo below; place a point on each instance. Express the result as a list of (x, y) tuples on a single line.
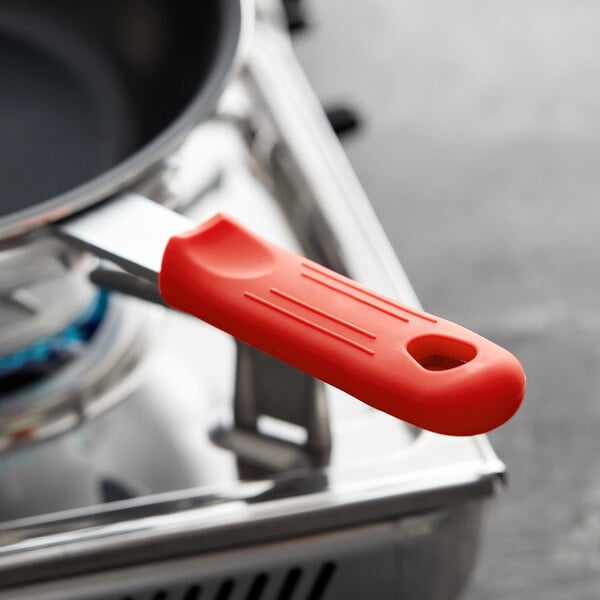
[(178, 461)]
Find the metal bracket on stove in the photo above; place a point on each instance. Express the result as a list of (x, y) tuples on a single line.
[(280, 417)]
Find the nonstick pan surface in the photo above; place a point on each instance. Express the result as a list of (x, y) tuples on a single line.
[(94, 93)]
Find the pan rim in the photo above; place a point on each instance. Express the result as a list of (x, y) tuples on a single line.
[(236, 30)]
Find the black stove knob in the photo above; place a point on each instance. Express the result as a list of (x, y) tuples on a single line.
[(342, 119), (295, 12)]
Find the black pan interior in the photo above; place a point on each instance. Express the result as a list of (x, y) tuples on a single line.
[(86, 84)]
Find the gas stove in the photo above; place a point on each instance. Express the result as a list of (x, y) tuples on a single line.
[(147, 455)]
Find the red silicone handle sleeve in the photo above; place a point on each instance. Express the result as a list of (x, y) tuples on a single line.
[(410, 364)]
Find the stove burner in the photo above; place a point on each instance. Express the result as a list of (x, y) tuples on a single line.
[(49, 353)]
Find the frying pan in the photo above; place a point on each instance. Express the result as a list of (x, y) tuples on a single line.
[(95, 94)]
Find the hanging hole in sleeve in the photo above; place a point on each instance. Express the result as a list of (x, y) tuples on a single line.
[(440, 353)]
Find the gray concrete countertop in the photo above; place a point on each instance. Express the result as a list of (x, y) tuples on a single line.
[(480, 154)]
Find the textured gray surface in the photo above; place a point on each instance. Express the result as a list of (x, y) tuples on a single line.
[(480, 154)]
